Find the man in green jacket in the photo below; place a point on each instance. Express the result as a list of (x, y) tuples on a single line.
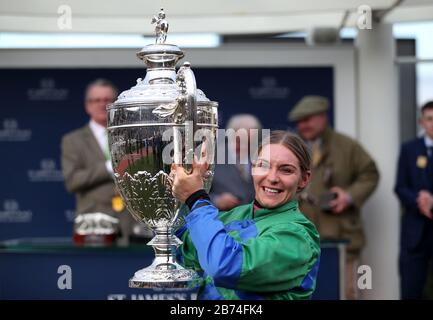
[(343, 177)]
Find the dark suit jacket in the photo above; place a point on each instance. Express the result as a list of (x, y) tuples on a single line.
[(227, 178), (412, 176)]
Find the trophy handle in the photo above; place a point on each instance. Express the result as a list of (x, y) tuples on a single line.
[(186, 81)]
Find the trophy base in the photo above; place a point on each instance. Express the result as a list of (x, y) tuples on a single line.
[(173, 276)]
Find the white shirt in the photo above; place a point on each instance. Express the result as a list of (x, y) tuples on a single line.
[(428, 143), (101, 137)]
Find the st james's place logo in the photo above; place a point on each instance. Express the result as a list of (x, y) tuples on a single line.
[(48, 172), (12, 132), (47, 91), (269, 89), (11, 213)]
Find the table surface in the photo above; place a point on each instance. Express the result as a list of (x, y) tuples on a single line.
[(66, 244), (29, 269)]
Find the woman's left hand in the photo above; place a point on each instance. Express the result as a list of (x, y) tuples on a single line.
[(185, 184)]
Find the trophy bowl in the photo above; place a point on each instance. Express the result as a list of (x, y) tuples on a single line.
[(163, 119)]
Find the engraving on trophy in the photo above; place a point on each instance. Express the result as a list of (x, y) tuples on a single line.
[(175, 109), (152, 193)]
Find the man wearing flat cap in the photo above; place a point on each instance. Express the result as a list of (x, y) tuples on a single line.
[(344, 176)]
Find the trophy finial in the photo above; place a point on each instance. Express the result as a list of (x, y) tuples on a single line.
[(161, 27)]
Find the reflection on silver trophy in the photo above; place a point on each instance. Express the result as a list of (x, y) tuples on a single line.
[(151, 126)]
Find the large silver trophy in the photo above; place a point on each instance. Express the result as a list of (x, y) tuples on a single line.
[(151, 126)]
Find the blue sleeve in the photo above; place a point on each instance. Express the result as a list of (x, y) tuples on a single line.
[(219, 254), (404, 186), (183, 212)]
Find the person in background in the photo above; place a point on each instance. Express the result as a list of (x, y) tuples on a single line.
[(344, 175), (266, 249), (414, 188), (86, 162), (232, 183)]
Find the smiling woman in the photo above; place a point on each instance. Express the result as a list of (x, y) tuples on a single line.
[(263, 250), (278, 174)]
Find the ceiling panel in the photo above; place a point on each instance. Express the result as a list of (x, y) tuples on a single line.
[(182, 8), (219, 24), (222, 16)]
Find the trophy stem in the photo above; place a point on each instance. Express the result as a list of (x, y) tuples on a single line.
[(165, 244), (165, 272)]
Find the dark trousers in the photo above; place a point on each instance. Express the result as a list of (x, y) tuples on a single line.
[(413, 264)]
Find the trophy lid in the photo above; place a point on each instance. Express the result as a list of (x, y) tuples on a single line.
[(159, 85)]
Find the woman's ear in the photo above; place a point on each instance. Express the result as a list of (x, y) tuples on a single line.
[(305, 179)]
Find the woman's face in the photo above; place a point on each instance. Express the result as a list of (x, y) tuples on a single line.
[(277, 176)]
